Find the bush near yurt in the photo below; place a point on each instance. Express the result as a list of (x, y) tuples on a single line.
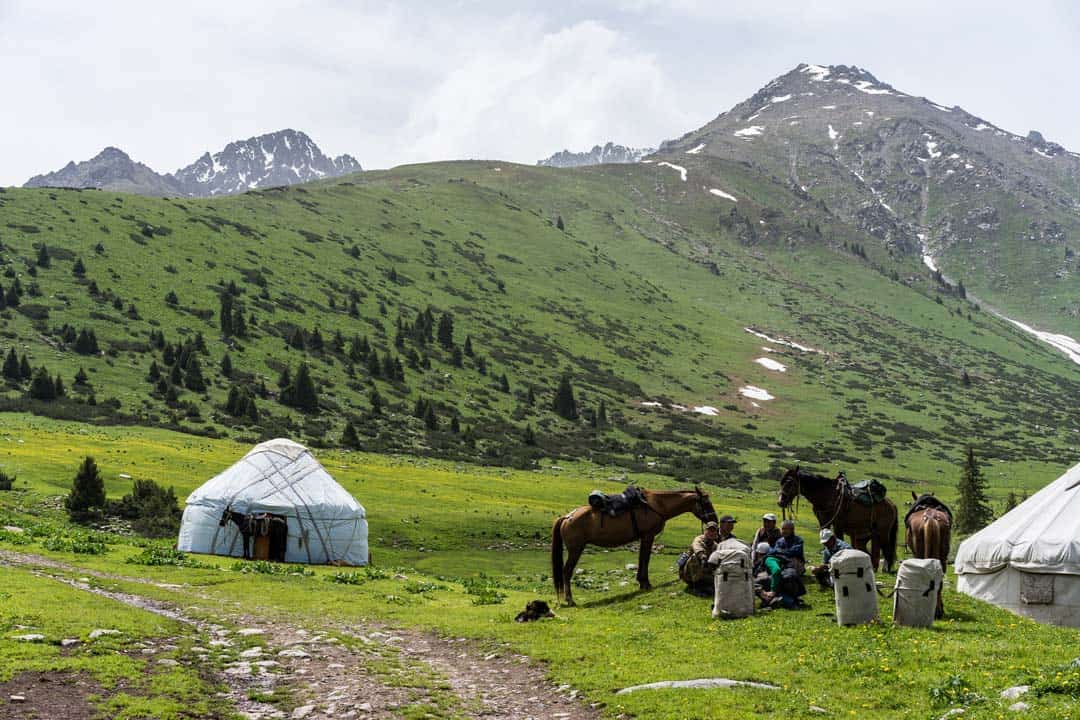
[(153, 509), (86, 501)]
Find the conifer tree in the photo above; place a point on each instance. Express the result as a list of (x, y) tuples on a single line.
[(11, 366), (87, 492), (565, 406), (193, 378), (86, 343), (446, 331), (78, 269), (25, 373), (431, 421), (530, 397), (456, 358), (1010, 502), (455, 425), (468, 346), (376, 401), (42, 387), (559, 223), (82, 379), (504, 383), (58, 386), (349, 438), (226, 366), (973, 511), (11, 299), (373, 367), (304, 396), (601, 415), (43, 259), (285, 378), (529, 436)]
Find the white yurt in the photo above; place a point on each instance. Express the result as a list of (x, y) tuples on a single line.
[(296, 512), (1028, 560)]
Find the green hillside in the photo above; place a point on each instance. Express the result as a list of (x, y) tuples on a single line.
[(645, 296)]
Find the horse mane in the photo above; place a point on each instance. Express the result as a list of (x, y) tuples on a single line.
[(801, 474)]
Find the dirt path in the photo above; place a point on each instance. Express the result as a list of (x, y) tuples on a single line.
[(365, 671)]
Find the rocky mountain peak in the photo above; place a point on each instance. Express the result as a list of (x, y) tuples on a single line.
[(608, 153)]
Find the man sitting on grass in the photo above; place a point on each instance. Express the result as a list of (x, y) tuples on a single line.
[(790, 546), (779, 585), (694, 569), (830, 545)]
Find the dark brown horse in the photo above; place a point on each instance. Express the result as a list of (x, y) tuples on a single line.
[(929, 530), (587, 526), (867, 525), (244, 524)]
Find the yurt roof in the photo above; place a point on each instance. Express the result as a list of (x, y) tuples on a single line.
[(1041, 534)]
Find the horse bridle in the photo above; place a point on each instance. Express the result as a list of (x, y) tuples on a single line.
[(706, 515)]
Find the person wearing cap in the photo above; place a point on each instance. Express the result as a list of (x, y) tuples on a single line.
[(790, 546), (769, 586), (727, 527), (768, 533), (695, 571), (830, 545)]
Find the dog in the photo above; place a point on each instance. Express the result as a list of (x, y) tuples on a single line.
[(534, 610)]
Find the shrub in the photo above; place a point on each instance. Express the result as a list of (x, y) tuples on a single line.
[(265, 567), (80, 544), (346, 578), (6, 481), (156, 556), (153, 508)]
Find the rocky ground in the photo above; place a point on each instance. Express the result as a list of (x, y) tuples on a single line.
[(273, 669)]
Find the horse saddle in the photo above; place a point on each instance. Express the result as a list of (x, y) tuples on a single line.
[(928, 501), (618, 503), (867, 492)]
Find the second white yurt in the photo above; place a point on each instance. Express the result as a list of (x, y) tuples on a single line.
[(1028, 560), (289, 506)]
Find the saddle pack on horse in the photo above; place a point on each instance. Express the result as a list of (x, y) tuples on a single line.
[(868, 492), (618, 503), (926, 501)]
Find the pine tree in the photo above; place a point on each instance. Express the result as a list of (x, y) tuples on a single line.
[(11, 299), (431, 421), (304, 396), (78, 269), (373, 367), (973, 511), (285, 378), (455, 425), (559, 223), (193, 378), (965, 379), (11, 366), (25, 373), (86, 343), (87, 491), (58, 387), (376, 401), (43, 259), (315, 341), (601, 415), (42, 387), (446, 331), (1010, 502), (565, 406), (504, 383), (171, 298), (530, 397), (349, 438), (456, 358), (481, 365), (468, 346), (530, 435), (226, 366), (82, 380)]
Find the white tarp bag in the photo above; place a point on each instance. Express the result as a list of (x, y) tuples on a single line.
[(733, 580), (918, 581), (853, 585)]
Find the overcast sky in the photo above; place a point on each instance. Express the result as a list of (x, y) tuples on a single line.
[(395, 83)]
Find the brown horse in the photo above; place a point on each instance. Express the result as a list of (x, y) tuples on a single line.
[(585, 526), (874, 525), (929, 530)]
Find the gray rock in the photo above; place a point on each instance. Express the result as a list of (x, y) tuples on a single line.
[(302, 712), (1014, 692), (68, 642), (17, 698), (293, 653), (1019, 707), (700, 684), (29, 637), (101, 632)]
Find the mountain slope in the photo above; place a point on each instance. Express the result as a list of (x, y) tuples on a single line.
[(609, 153), (286, 157), (996, 210), (657, 301)]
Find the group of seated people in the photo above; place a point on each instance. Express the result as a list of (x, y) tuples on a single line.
[(777, 555)]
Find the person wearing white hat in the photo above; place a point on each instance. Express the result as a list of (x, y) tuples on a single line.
[(830, 545), (768, 533)]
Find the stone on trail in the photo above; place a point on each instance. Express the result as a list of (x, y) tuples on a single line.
[(100, 632), (250, 631), (302, 712), (168, 662), (252, 652), (293, 653), (17, 698), (1014, 692), (699, 684)]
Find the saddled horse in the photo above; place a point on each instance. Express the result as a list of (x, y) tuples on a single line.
[(588, 526), (871, 526), (244, 523), (929, 531)]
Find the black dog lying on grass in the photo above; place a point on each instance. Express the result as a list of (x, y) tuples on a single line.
[(534, 610)]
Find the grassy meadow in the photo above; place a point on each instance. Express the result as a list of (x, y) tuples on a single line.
[(462, 549)]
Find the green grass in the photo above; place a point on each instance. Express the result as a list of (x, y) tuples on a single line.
[(459, 533)]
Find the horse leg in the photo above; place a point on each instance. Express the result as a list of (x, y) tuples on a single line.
[(644, 553), (573, 554)]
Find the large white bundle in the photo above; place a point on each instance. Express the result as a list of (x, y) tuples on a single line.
[(733, 580), (853, 584), (915, 597)]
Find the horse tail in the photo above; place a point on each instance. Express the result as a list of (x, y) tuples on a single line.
[(556, 555), (890, 542), (932, 538)]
